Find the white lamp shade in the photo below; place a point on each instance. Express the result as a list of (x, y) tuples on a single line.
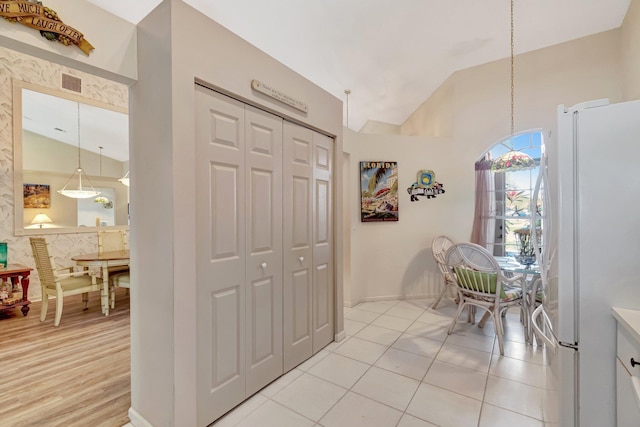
[(41, 219), (80, 192)]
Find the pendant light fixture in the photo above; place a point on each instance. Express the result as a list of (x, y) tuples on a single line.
[(100, 148), (101, 199), (347, 92), (80, 192), (512, 160)]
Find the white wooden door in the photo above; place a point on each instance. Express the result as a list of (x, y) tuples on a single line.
[(297, 244), (221, 259), (264, 249), (323, 274), (263, 132)]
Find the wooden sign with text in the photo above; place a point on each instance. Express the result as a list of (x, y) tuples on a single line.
[(278, 95), (33, 14)]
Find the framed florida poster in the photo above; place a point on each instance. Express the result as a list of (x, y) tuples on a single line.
[(378, 191)]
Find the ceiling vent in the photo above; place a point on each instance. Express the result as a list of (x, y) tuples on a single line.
[(71, 83)]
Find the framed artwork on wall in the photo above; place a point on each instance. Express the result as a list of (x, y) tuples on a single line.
[(36, 196), (378, 191)]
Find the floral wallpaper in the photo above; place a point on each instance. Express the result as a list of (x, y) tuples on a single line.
[(15, 65)]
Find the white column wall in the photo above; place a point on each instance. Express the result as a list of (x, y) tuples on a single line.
[(152, 228), (177, 44)]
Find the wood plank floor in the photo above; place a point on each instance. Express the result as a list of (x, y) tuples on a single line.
[(76, 374)]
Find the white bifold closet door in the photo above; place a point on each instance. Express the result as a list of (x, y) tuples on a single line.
[(264, 268), (239, 251), (308, 243), (323, 274)]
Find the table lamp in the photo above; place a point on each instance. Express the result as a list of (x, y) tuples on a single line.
[(41, 219)]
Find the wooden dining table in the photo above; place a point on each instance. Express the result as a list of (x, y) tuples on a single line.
[(103, 261)]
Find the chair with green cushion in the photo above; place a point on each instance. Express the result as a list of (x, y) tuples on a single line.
[(60, 282), (481, 283)]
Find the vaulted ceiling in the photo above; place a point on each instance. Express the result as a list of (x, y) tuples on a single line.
[(393, 55)]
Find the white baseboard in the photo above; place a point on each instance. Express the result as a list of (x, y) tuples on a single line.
[(340, 336), (138, 420), (351, 304)]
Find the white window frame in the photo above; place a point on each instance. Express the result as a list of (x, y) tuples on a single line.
[(512, 192)]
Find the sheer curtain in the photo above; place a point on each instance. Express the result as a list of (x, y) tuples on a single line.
[(484, 223)]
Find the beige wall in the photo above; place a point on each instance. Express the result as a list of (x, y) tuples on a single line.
[(469, 113), (630, 53), (45, 154), (46, 161), (435, 116), (393, 259), (473, 104), (373, 126), (64, 211)]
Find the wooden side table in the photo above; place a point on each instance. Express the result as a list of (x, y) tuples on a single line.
[(17, 274)]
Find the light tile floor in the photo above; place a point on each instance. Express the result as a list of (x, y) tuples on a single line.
[(399, 368)]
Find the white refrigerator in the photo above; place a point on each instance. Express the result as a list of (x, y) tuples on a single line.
[(591, 253)]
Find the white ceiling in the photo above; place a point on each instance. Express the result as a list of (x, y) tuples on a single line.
[(61, 119), (392, 58), (392, 55)]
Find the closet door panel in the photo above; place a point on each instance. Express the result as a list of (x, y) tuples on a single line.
[(323, 274), (225, 227), (263, 133), (300, 309), (220, 252), (297, 244), (262, 337)]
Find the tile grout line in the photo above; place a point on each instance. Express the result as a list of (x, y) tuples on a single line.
[(389, 346)]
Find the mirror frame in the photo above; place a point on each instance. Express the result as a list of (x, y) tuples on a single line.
[(19, 229)]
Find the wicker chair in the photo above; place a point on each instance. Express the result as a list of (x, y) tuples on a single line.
[(482, 284), (439, 246)]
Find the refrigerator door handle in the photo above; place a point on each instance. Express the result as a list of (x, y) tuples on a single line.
[(573, 346)]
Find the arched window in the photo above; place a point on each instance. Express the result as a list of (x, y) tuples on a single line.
[(513, 191)]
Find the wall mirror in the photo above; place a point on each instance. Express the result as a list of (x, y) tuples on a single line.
[(54, 132)]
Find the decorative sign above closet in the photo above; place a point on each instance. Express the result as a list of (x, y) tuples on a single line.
[(276, 94), (33, 14)]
